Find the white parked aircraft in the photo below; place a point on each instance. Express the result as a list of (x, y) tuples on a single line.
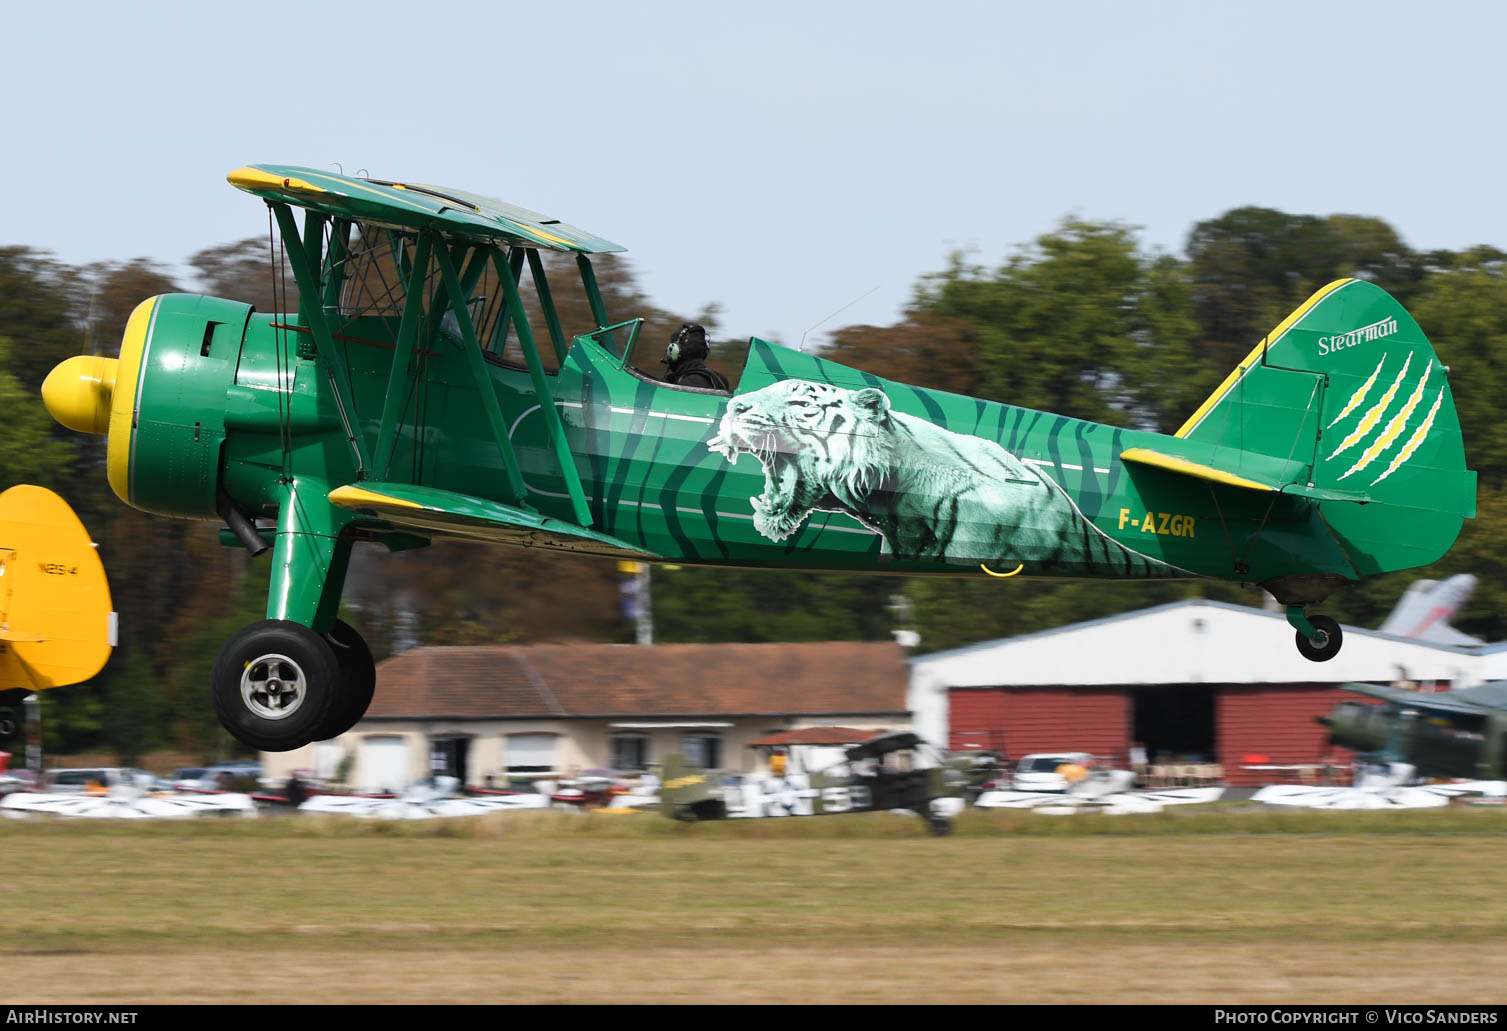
[(1426, 607)]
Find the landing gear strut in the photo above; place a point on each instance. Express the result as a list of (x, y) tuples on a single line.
[(1319, 637)]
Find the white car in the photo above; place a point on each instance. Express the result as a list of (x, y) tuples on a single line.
[(80, 781), (1039, 772)]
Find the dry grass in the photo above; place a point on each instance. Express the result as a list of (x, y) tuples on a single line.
[(561, 908)]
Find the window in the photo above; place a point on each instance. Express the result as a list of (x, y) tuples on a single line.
[(630, 752), (530, 753), (703, 750)]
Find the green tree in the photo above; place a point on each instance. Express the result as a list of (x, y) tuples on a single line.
[(29, 453), (700, 605), (36, 314)]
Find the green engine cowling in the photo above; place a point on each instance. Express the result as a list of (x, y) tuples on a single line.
[(162, 402)]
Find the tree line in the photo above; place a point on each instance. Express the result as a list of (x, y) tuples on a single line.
[(1082, 321)]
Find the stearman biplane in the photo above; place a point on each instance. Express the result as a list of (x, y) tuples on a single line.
[(412, 397)]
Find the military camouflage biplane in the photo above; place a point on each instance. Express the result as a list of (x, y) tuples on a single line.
[(863, 781), (412, 396)]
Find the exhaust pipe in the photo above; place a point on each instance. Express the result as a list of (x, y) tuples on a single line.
[(240, 524)]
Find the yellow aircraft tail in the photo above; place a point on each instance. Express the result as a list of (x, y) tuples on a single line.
[(57, 625)]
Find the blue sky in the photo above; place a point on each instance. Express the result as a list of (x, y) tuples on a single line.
[(780, 159)]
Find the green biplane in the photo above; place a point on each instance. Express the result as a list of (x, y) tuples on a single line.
[(409, 398)]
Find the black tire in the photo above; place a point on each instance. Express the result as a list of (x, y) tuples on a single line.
[(359, 672), (1334, 638), (274, 684), (941, 826), (12, 724)]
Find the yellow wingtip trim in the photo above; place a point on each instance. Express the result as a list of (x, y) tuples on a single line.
[(1002, 575), (1250, 359), (1145, 456), (351, 496), (248, 177)]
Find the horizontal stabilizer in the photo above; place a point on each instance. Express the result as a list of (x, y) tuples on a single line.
[(443, 513), (1172, 463), (1256, 472)]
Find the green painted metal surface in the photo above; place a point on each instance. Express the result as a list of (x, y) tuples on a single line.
[(415, 206), (669, 471), (1332, 453)]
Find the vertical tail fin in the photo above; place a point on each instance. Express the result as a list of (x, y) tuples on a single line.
[(1349, 389), (57, 625), (686, 793)]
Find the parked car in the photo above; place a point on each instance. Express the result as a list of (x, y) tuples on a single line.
[(79, 780), (216, 777), (1038, 772)]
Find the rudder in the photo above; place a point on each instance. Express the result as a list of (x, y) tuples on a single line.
[(1349, 388)]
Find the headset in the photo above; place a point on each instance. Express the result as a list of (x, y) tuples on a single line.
[(682, 337)]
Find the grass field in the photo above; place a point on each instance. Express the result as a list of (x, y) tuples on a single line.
[(1188, 907)]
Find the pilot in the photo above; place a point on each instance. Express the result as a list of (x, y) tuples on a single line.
[(686, 357)]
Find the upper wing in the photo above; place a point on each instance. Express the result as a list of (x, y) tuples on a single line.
[(414, 206), (434, 512)]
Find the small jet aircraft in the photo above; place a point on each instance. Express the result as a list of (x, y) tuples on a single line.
[(407, 399), (861, 782), (56, 623), (1426, 607)]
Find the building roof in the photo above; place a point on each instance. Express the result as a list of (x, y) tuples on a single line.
[(814, 736), (609, 680), (1195, 641)]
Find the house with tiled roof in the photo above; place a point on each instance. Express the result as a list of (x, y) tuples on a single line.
[(495, 714)]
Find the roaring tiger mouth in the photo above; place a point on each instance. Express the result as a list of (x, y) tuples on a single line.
[(781, 472)]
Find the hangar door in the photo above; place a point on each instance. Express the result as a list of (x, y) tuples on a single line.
[(1175, 722)]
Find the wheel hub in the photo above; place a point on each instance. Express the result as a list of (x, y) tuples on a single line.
[(273, 686)]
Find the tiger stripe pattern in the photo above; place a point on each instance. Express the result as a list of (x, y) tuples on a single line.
[(933, 495)]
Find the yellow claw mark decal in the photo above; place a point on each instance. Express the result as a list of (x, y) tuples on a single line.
[(1002, 575), (1372, 417), (1360, 395), (1413, 441), (1394, 427)]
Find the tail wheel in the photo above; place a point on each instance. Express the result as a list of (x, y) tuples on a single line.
[(1328, 647), (11, 723), (274, 684), (359, 672)]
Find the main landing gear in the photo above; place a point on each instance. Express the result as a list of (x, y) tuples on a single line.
[(1319, 637), (278, 685)]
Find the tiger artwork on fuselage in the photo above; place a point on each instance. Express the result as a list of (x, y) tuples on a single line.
[(932, 494)]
